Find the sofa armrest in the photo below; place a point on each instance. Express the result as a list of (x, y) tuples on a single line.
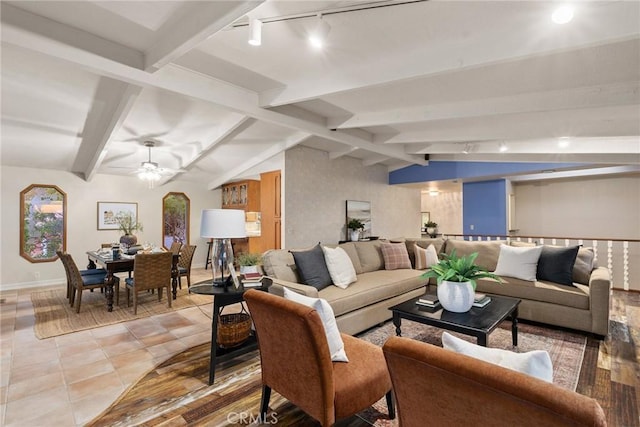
[(278, 284), (599, 290)]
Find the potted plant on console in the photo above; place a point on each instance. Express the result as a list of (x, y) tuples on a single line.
[(431, 228), (456, 279), (355, 225)]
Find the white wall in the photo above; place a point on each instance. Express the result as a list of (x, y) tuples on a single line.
[(596, 207), (317, 188), (445, 209), (82, 233)]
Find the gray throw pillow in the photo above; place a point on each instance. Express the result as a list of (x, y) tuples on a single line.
[(312, 267), (556, 264)]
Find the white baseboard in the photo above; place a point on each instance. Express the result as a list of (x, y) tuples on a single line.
[(29, 285)]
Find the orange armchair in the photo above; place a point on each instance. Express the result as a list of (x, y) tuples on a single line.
[(440, 387), (296, 362)]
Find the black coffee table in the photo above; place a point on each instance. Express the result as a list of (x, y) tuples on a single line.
[(477, 322)]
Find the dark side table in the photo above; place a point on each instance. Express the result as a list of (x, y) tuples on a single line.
[(223, 296)]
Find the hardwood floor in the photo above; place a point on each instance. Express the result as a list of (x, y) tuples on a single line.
[(611, 368)]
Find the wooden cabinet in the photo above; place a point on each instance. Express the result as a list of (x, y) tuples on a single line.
[(243, 195), (270, 203)]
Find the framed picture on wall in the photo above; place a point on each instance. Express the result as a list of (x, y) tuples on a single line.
[(362, 211), (108, 213)]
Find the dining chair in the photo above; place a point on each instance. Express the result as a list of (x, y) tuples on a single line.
[(175, 247), (77, 282), (150, 271), (296, 362), (184, 263), (88, 272)]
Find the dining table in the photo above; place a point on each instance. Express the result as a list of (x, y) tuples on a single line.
[(125, 263)]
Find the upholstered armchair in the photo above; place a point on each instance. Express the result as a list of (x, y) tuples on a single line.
[(296, 362), (436, 386)]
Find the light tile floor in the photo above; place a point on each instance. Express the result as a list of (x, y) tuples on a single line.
[(70, 379)]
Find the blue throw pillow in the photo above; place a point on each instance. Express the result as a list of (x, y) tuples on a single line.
[(312, 267), (556, 264)]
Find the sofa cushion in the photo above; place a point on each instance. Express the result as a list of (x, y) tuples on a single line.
[(584, 265), (425, 258), (339, 266), (536, 363), (518, 262), (279, 263), (312, 267), (371, 288), (556, 264), (549, 292), (395, 256), (370, 255), (350, 249), (336, 345), (488, 251)]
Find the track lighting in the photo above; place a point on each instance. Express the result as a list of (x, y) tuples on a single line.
[(318, 36), (255, 32), (467, 149), (564, 141), (503, 147)]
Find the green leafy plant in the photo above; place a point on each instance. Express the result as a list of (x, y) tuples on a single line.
[(431, 224), (355, 224), (246, 259), (127, 224), (459, 269)]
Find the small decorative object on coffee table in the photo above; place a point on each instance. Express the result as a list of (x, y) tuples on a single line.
[(456, 277)]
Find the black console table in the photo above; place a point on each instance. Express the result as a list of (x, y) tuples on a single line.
[(223, 296)]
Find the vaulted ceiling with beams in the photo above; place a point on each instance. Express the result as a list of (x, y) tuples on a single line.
[(86, 83)]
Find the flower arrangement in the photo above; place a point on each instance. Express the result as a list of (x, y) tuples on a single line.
[(127, 224)]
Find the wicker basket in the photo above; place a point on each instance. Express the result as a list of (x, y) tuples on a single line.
[(233, 329)]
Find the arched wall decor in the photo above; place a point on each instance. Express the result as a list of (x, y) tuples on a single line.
[(175, 219), (43, 222)]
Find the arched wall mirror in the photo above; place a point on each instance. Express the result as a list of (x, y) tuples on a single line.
[(175, 219), (43, 222)]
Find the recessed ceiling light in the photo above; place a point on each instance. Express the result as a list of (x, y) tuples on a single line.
[(562, 14), (433, 193)]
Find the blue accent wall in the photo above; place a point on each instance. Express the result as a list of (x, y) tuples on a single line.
[(438, 171), (484, 205)]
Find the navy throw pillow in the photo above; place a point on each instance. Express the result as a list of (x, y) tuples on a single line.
[(556, 264), (312, 267)]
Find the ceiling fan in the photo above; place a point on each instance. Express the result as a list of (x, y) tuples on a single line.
[(150, 171)]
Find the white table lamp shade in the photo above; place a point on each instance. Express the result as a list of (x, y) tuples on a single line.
[(222, 224)]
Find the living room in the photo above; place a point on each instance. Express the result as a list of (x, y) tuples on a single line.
[(77, 114)]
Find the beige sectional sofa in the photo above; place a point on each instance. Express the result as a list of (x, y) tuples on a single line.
[(365, 303), (583, 306)]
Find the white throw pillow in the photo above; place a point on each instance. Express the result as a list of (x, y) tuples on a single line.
[(535, 363), (425, 258), (518, 262), (340, 267), (336, 345)]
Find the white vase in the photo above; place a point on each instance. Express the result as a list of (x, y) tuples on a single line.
[(244, 269), (456, 296), (355, 235)]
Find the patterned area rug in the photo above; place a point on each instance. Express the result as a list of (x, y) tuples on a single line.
[(176, 392), (54, 315)]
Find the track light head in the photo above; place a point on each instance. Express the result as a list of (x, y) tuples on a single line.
[(255, 32), (318, 36)]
